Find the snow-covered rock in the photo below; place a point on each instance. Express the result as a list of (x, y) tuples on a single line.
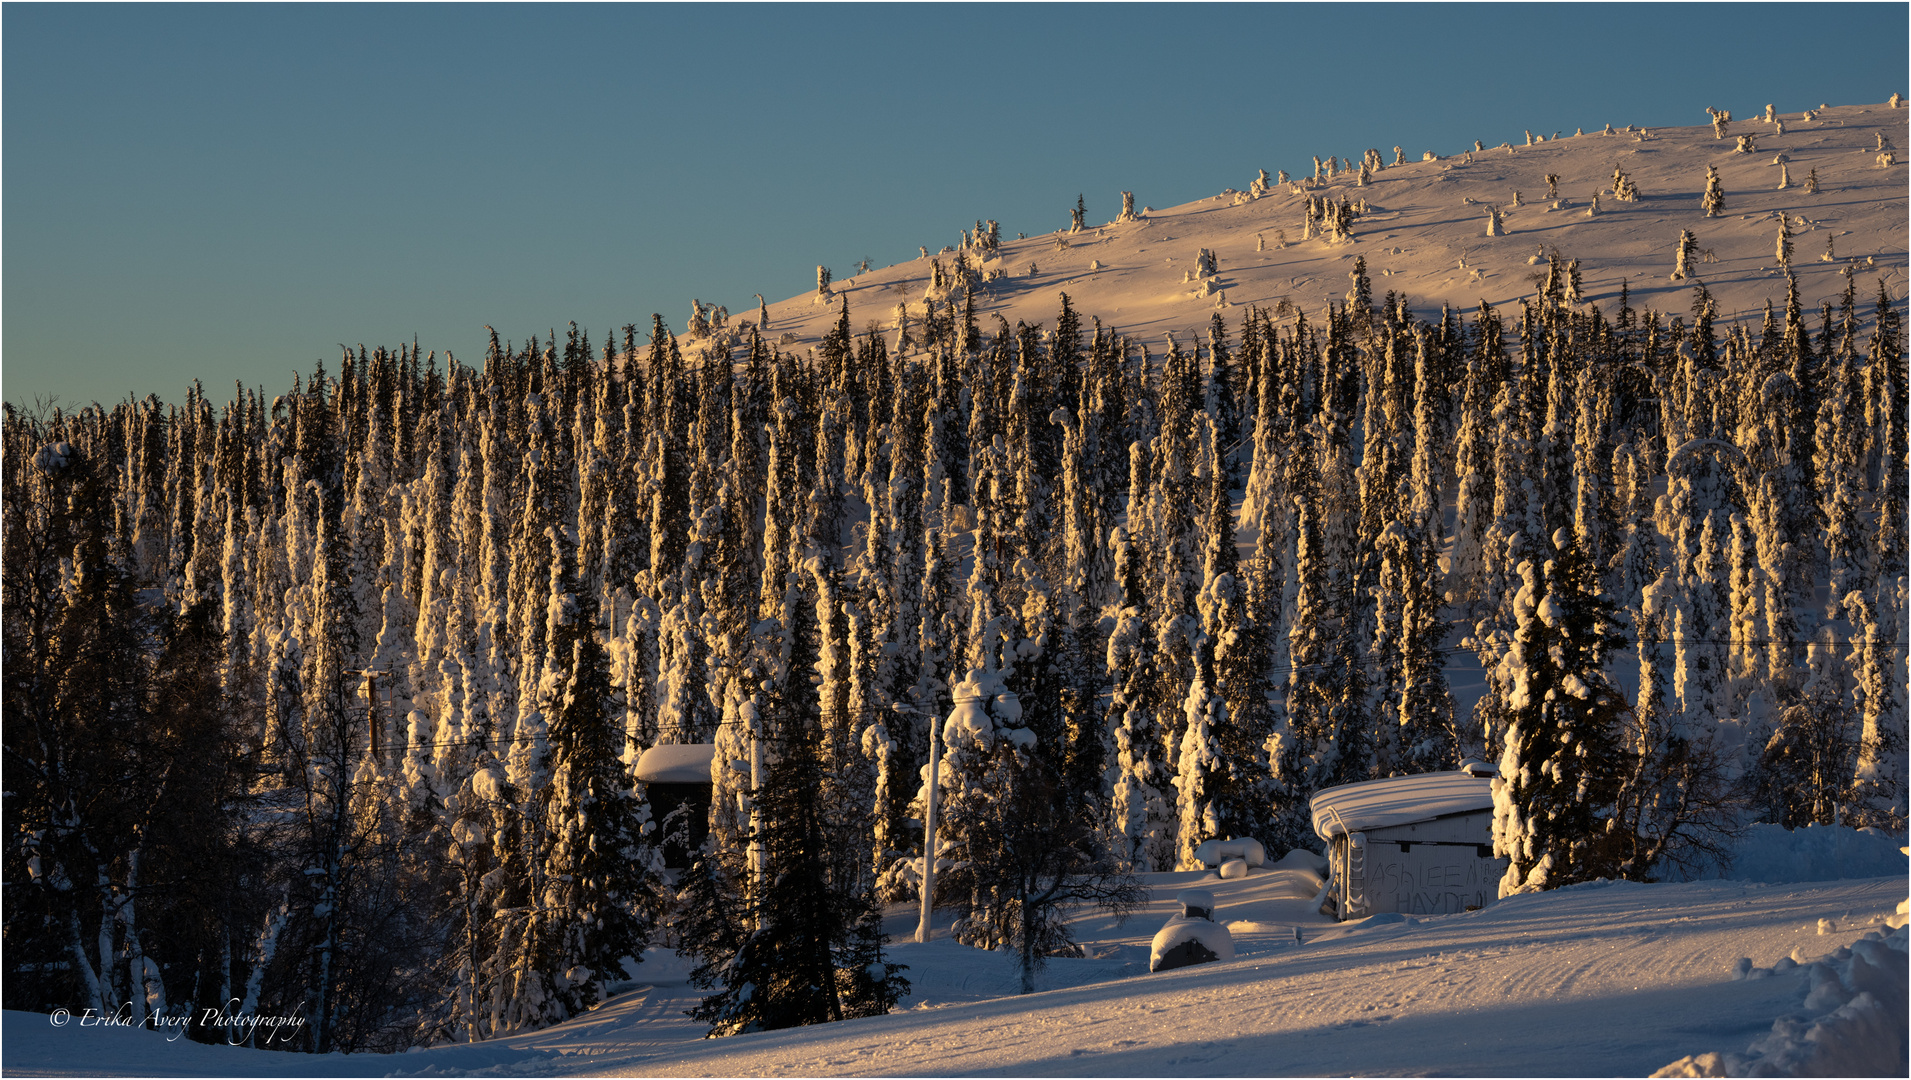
[(1192, 937)]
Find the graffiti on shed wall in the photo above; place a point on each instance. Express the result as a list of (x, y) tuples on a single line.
[(1429, 879)]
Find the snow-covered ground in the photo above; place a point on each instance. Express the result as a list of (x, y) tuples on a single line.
[(1424, 234), (1599, 979)]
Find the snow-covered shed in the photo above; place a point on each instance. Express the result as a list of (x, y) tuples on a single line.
[(1413, 844), (676, 779)]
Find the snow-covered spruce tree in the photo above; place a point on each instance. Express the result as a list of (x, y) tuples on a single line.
[(984, 725), (1713, 201), (1184, 442), (1559, 771), (1475, 494), (1240, 794), (602, 876), (1086, 583), (1879, 620), (1140, 811), (790, 968), (1682, 254), (1303, 750), (1222, 397)]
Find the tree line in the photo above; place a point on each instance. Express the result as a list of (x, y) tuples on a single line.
[(328, 704)]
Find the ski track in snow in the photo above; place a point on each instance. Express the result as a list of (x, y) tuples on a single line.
[(1606, 978)]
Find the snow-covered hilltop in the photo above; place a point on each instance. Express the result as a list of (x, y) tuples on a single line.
[(1424, 233)]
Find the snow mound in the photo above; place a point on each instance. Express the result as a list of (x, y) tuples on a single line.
[(1217, 852), (1776, 855), (1854, 1021), (1303, 859)]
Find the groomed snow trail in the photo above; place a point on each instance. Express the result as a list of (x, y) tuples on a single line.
[(1602, 979)]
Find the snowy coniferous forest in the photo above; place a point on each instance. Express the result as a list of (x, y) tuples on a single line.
[(328, 700)]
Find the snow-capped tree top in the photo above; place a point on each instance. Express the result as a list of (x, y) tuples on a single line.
[(985, 708)]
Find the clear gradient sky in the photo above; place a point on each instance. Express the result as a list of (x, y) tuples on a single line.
[(228, 192)]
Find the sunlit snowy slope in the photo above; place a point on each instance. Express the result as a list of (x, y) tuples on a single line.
[(1602, 979), (1424, 233)]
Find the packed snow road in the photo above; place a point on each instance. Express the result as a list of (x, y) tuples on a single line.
[(1602, 979)]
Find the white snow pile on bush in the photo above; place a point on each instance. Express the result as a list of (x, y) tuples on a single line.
[(1854, 1021), (1776, 855)]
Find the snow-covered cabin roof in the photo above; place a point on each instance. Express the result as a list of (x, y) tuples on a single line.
[(1398, 800), (676, 763)]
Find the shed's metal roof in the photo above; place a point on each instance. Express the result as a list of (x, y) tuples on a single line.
[(1398, 800)]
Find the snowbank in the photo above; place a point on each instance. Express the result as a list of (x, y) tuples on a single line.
[(1775, 855), (1854, 1021)]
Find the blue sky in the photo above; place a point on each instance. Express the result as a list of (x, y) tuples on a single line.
[(228, 192)]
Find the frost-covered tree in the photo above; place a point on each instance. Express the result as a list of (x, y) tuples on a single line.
[(1559, 770), (1682, 254), (1713, 201), (1140, 809), (602, 872)]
